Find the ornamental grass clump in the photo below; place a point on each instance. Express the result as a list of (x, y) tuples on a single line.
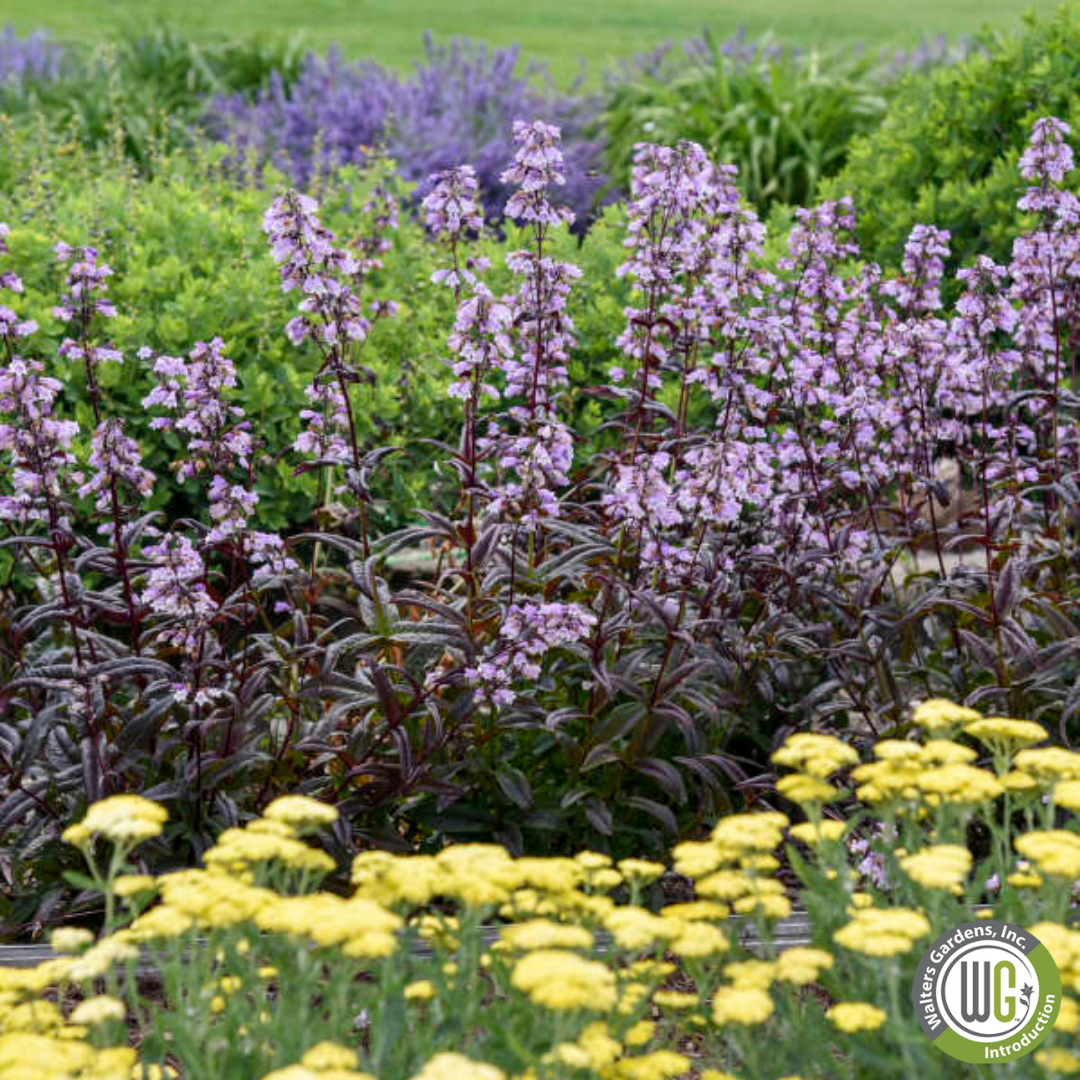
[(470, 962)]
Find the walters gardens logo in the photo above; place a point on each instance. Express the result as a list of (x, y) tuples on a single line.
[(986, 992)]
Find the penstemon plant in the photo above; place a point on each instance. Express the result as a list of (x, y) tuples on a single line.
[(816, 496)]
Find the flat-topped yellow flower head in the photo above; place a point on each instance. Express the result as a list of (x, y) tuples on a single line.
[(943, 866), (123, 819), (938, 713), (817, 755), (1000, 732), (300, 813), (852, 1016)]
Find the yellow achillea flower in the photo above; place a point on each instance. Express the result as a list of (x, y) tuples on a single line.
[(1064, 946), (696, 911), (592, 860), (897, 750), (758, 831), (159, 923), (817, 755), (802, 965), (1068, 1017), (100, 958), (813, 833), (631, 995), (767, 905), (1058, 1060), (330, 1055), (659, 1065), (270, 828), (485, 874), (1025, 878), (698, 939), (70, 939), (943, 866), (241, 847), (746, 1005), (725, 885), (941, 713), (1001, 734), (1018, 781), (438, 928), (675, 999), (640, 1033), (640, 871), (1054, 851), (757, 973), (946, 752), (213, 899), (964, 784), (636, 928), (300, 813), (133, 884), (421, 990), (123, 819), (360, 927), (803, 788), (558, 980), (458, 1067), (594, 1049), (1067, 793), (878, 932), (759, 862), (696, 858), (715, 1074), (604, 880), (852, 1016), (893, 778), (545, 934), (1050, 763), (42, 1017)]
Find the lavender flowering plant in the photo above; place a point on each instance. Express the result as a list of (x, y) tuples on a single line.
[(819, 496), (35, 57), (457, 106)]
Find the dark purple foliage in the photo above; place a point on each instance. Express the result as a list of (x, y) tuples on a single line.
[(457, 107), (34, 57)]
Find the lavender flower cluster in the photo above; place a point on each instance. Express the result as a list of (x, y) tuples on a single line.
[(779, 435), (457, 106), (34, 57)]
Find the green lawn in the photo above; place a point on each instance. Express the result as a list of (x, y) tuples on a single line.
[(560, 32)]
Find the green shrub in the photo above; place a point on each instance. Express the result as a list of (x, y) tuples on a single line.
[(190, 262), (946, 151)]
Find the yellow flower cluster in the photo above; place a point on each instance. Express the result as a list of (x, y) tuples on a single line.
[(1054, 852), (882, 932), (593, 970), (851, 1016), (943, 866), (734, 865), (122, 819)]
